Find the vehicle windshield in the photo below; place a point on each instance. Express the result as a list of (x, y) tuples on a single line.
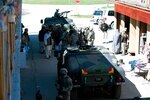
[(111, 13), (90, 60), (98, 13)]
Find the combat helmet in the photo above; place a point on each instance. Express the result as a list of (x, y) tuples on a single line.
[(63, 71)]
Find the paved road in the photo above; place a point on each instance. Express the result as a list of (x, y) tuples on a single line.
[(41, 72)]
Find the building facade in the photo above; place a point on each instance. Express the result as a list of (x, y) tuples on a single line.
[(10, 37), (135, 16)]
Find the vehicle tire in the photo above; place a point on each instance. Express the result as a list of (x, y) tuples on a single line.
[(112, 25), (74, 94), (97, 22), (116, 91)]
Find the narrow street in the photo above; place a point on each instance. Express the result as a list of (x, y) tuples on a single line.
[(41, 72)]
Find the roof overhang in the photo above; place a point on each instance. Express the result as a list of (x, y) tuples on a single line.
[(133, 12)]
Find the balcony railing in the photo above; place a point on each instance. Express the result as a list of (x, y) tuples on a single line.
[(138, 3)]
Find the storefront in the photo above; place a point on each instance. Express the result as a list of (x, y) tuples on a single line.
[(137, 21)]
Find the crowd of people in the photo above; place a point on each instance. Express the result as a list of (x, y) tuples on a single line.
[(142, 61), (61, 36)]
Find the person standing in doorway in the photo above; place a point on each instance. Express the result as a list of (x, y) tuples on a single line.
[(116, 45), (124, 40)]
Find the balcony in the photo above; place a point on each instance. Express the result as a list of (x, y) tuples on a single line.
[(144, 4)]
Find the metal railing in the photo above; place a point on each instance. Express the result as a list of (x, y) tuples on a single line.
[(138, 3)]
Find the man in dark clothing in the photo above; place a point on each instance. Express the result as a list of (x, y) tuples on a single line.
[(41, 38), (64, 84), (104, 28), (57, 14), (25, 40)]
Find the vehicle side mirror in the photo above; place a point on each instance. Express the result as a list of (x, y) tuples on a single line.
[(41, 21)]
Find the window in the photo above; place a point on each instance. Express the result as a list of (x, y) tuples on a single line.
[(111, 13), (98, 13)]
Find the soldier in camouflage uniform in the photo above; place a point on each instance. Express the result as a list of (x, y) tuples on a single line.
[(64, 84), (91, 36)]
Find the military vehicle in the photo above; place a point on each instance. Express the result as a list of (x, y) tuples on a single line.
[(60, 24), (92, 68), (62, 20)]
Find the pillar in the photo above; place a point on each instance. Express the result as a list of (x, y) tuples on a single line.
[(137, 38), (118, 21), (2, 93), (122, 24), (115, 22), (132, 35)]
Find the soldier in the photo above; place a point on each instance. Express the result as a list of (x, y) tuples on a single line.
[(57, 14), (64, 84), (91, 36)]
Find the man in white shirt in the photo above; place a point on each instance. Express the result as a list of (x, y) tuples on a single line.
[(48, 43)]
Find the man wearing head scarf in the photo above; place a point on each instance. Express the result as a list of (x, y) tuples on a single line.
[(116, 46), (124, 40)]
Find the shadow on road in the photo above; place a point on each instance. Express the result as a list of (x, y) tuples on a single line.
[(40, 74)]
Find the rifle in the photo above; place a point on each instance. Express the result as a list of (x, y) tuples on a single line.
[(65, 12)]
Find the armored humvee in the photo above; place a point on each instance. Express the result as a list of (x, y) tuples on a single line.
[(62, 20), (93, 68)]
